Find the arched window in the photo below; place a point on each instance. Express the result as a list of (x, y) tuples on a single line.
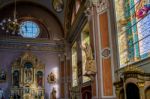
[(29, 29), (133, 30)]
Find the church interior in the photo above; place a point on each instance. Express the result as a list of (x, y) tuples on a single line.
[(74, 49)]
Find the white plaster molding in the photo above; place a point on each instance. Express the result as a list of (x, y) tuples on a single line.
[(89, 11), (94, 28), (106, 53), (112, 50), (94, 2), (102, 6)]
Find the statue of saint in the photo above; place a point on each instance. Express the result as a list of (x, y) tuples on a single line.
[(53, 94), (90, 66)]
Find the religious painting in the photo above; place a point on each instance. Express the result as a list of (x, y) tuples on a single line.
[(51, 78), (28, 72), (2, 76), (58, 5), (39, 78), (16, 78)]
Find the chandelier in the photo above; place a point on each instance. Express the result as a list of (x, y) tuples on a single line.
[(10, 25)]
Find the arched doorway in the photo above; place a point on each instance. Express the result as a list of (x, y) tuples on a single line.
[(147, 93), (132, 91)]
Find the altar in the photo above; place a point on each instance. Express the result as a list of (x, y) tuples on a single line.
[(27, 77)]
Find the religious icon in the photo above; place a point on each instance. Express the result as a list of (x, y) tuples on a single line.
[(40, 78), (58, 5), (53, 94), (28, 72), (51, 78), (28, 75), (2, 76)]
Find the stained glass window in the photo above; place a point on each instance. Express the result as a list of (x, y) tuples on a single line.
[(133, 29), (74, 65), (29, 29)]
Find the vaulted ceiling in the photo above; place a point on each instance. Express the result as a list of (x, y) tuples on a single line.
[(50, 18), (47, 4)]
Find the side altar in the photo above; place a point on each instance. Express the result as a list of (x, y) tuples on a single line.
[(27, 77)]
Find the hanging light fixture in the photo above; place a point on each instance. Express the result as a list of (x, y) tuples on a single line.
[(10, 25)]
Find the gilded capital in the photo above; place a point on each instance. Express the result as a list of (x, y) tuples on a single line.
[(141, 84)]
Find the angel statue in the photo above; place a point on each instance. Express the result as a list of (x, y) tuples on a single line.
[(90, 66)]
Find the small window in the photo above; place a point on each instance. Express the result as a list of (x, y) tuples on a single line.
[(29, 29)]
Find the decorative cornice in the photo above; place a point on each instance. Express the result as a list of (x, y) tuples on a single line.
[(132, 68), (28, 56), (34, 45), (102, 6)]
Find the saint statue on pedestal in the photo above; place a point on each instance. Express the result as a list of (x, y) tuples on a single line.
[(90, 66), (53, 94)]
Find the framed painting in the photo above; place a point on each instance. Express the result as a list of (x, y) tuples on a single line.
[(51, 78), (2, 76), (28, 73)]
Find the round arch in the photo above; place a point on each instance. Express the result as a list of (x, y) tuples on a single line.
[(147, 92), (50, 16), (132, 91)]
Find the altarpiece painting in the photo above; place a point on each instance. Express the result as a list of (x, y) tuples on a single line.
[(28, 77)]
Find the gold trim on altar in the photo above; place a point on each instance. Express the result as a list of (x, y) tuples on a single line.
[(28, 77)]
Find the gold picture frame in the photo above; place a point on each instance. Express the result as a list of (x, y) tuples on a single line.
[(51, 78)]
